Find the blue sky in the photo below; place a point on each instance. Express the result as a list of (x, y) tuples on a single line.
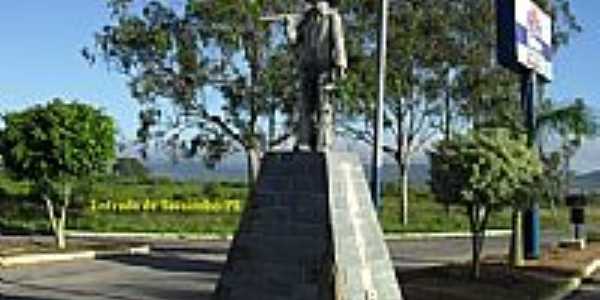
[(577, 74), (40, 58), (40, 43)]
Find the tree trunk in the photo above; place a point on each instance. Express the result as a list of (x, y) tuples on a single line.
[(479, 239), (253, 159), (478, 216), (52, 217), (253, 147), (476, 240), (61, 241), (567, 175), (402, 157), (58, 223), (516, 242), (447, 112), (447, 129), (554, 194), (404, 178), (59, 236)]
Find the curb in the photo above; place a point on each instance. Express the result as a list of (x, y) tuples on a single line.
[(31, 259), (149, 236), (442, 235), (574, 283), (217, 237), (570, 286)]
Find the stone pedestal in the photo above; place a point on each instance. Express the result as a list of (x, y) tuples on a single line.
[(309, 232)]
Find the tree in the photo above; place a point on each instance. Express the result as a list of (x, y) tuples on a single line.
[(209, 62), (413, 102), (54, 146), (571, 124), (487, 95), (483, 172)]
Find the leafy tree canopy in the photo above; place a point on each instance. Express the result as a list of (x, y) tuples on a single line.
[(488, 167), (575, 120), (57, 142), (206, 63), (483, 171)]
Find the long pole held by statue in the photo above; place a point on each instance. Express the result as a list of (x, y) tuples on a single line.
[(376, 188)]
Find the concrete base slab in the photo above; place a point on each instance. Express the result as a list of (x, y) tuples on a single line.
[(572, 244), (32, 259)]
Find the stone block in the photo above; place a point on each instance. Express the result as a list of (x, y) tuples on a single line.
[(299, 226)]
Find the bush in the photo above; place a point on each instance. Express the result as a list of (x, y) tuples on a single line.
[(130, 168), (483, 172)]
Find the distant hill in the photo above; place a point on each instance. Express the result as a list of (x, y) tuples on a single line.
[(192, 170), (236, 171), (589, 182)]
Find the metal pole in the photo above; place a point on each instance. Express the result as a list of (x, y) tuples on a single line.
[(579, 230), (377, 149), (531, 223)]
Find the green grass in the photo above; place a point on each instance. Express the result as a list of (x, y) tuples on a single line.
[(156, 222), (426, 215), (164, 190), (21, 212)]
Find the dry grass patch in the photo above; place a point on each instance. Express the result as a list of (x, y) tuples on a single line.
[(535, 280), (497, 282), (565, 262)]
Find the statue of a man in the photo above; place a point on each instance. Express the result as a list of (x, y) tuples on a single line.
[(317, 36)]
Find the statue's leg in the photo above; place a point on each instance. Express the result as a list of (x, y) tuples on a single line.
[(298, 119), (306, 110), (325, 125), (302, 125), (313, 120)]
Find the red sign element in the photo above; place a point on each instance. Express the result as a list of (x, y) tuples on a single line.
[(534, 22)]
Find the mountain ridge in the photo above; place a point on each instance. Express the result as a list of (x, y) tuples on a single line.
[(236, 171), (588, 182)]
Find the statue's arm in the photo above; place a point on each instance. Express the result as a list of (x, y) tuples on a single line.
[(341, 57), (292, 22)]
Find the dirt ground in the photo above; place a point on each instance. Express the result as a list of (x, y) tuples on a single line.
[(535, 280)]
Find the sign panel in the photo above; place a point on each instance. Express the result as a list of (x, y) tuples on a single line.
[(524, 37)]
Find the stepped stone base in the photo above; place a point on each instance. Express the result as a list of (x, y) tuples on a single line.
[(309, 232)]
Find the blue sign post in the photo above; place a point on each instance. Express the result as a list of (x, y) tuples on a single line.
[(525, 46), (531, 222)]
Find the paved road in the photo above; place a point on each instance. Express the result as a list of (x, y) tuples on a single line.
[(183, 271)]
